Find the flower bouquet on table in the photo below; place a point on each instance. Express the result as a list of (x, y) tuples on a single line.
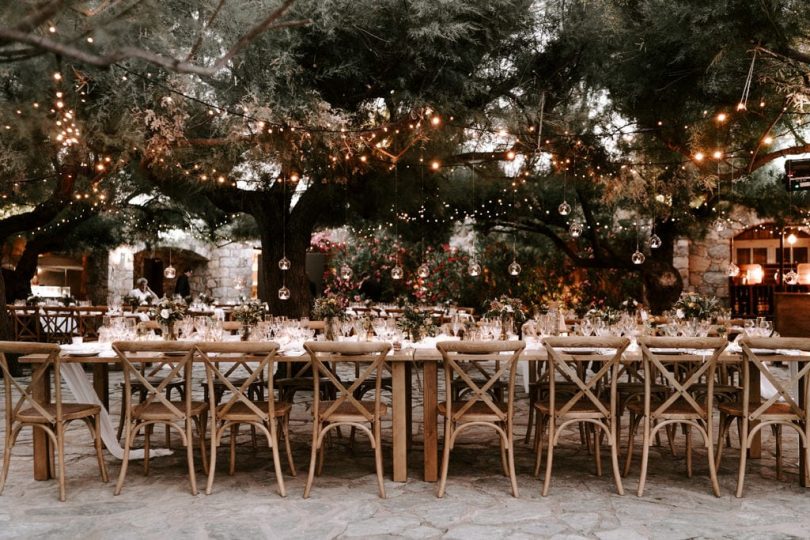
[(510, 311), (34, 300), (249, 312), (692, 305), (167, 312), (331, 309), (131, 301), (606, 314), (205, 299), (415, 322)]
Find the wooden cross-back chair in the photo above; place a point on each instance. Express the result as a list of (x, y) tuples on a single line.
[(90, 319), (59, 324), (237, 406), (688, 401), (26, 322), (593, 402), (784, 408), (345, 409), (51, 417), (479, 407), (156, 408)]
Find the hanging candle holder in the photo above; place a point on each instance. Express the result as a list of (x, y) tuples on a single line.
[(396, 272), (575, 229), (655, 241), (514, 268), (284, 264), (284, 293), (170, 272), (474, 268), (423, 271)]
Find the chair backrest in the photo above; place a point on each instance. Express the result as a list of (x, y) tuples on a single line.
[(175, 356), (487, 359), (256, 358), (568, 357), (324, 353), (756, 351), (59, 323), (26, 322), (680, 363), (24, 394), (90, 319)]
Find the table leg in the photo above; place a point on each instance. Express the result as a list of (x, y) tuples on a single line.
[(409, 403), (755, 451), (101, 383), (400, 436), (802, 405), (43, 451), (430, 398)]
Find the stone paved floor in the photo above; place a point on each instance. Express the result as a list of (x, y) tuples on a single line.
[(344, 502)]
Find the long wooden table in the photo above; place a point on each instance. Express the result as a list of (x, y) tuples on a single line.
[(401, 364)]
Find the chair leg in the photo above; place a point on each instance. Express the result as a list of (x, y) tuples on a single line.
[(232, 462), (277, 460), (378, 463), (688, 432), (530, 423), (722, 438), (538, 434), (212, 465), (102, 465), (121, 419), (504, 464), (125, 462), (448, 433), (712, 464), (285, 428), (312, 458), (631, 436), (614, 458), (550, 455), (321, 452), (60, 458), (6, 458), (645, 456), (510, 454), (146, 447), (192, 474), (777, 432), (201, 422), (743, 457)]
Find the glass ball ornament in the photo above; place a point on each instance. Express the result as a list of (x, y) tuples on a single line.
[(637, 257), (791, 277), (575, 229), (397, 272), (719, 225), (284, 293), (564, 209), (169, 272), (346, 272), (514, 268), (423, 271), (474, 268), (655, 241), (284, 264), (732, 270)]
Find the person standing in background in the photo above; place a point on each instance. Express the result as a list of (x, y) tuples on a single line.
[(183, 287)]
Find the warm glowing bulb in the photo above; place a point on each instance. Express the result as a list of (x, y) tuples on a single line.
[(767, 140), (52, 29), (57, 76), (791, 239), (435, 120), (89, 40), (510, 155), (699, 156), (741, 106), (435, 165), (722, 117), (717, 154)]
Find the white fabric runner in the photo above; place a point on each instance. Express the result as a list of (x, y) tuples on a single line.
[(82, 390)]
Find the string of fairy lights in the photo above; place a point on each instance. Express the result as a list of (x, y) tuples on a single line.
[(359, 147)]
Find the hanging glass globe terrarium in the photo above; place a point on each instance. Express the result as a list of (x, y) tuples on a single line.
[(170, 272), (575, 229), (732, 270), (655, 241), (474, 268), (284, 264), (564, 209), (514, 268), (423, 271), (637, 257), (284, 293), (397, 272), (346, 272)]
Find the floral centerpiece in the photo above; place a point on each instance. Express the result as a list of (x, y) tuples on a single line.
[(249, 312), (205, 299), (630, 306), (34, 300), (131, 301), (692, 305), (607, 314), (167, 312), (415, 322), (509, 310), (330, 308)]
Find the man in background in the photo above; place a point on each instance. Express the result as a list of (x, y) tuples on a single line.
[(183, 287)]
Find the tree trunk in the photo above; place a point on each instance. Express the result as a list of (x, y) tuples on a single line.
[(663, 283), (295, 279)]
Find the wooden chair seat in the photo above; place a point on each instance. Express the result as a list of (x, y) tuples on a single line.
[(157, 410), (478, 412), (70, 411), (581, 409), (781, 410), (679, 409), (240, 412), (346, 412)]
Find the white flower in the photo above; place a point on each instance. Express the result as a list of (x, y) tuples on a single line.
[(164, 314), (679, 313)]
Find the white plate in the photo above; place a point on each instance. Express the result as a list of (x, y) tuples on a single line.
[(83, 354)]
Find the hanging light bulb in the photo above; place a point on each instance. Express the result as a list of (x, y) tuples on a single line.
[(514, 268), (655, 241), (637, 257), (284, 293), (575, 230), (346, 272), (791, 239), (396, 272), (169, 272), (423, 271), (564, 209), (732, 270), (791, 277), (474, 269), (284, 264)]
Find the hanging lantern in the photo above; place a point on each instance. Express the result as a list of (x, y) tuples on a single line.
[(655, 241), (346, 272), (284, 264), (564, 209), (732, 270), (637, 257), (284, 293), (170, 272), (474, 269), (791, 277), (514, 268), (423, 271), (397, 272), (575, 230)]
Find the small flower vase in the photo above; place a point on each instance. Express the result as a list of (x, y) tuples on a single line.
[(330, 328), (506, 327), (244, 332), (167, 331)]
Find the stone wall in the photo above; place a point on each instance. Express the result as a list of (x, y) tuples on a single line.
[(702, 263)]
